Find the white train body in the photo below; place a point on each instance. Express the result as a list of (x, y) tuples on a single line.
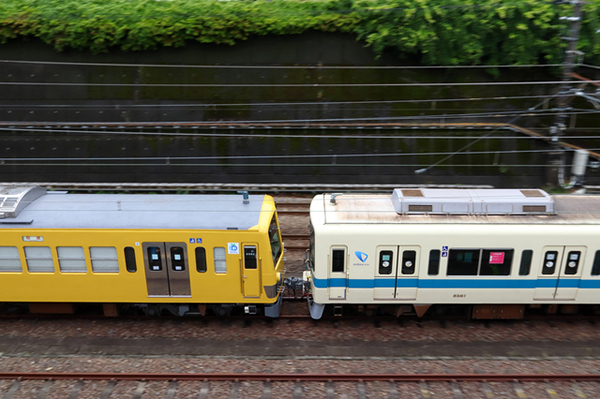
[(472, 247)]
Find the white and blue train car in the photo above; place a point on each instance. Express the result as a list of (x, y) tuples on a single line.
[(497, 251)]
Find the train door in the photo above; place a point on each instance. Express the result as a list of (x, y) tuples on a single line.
[(560, 273), (338, 272), (384, 286), (250, 271), (408, 273), (166, 266), (396, 272)]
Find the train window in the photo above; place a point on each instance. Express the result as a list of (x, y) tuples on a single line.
[(71, 259), (177, 259), (496, 262), (525, 267), (549, 262), (250, 261), (10, 261), (154, 259), (338, 260), (434, 262), (275, 240), (104, 259), (220, 260), (409, 258), (386, 260), (596, 265), (130, 263), (39, 259), (573, 259), (310, 259), (201, 259), (463, 262)]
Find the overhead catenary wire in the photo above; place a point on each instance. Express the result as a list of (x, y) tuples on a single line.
[(391, 119), (271, 104), (289, 156), (308, 66), (295, 136), (289, 85)]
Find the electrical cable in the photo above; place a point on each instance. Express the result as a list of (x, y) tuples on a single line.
[(288, 85), (318, 67), (272, 104)]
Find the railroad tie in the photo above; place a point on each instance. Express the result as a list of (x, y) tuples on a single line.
[(203, 394), (45, 389), (458, 394), (393, 390), (235, 390), (361, 390), (578, 392), (110, 386), (519, 390), (267, 389), (424, 388), (76, 389), (13, 389), (140, 390), (298, 393), (552, 392), (172, 390), (487, 389), (330, 389)]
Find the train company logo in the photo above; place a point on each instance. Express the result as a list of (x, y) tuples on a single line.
[(233, 248), (361, 256)]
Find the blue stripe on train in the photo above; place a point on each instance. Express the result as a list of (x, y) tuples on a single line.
[(456, 283)]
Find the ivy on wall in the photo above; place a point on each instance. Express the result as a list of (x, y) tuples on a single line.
[(439, 32)]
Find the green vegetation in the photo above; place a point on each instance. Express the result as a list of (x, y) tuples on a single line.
[(443, 32)]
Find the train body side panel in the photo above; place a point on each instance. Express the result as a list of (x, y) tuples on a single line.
[(368, 245), (207, 285)]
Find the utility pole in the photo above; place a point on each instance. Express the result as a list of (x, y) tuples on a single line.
[(557, 158), (568, 67)]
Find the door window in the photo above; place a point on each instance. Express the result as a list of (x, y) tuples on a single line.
[(386, 259), (338, 260), (409, 259), (177, 259), (250, 257), (550, 262), (155, 259), (573, 262)]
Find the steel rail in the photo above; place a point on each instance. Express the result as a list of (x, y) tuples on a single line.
[(260, 187), (299, 377)]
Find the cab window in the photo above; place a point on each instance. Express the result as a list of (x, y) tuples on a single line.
[(275, 239)]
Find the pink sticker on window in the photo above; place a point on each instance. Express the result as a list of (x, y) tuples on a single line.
[(496, 258)]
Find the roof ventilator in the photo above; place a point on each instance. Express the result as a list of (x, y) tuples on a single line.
[(472, 201), (13, 199)]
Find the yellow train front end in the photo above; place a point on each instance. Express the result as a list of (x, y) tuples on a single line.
[(117, 250)]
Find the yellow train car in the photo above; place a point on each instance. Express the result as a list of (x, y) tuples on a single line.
[(176, 253)]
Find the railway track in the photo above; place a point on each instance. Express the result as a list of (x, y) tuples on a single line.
[(240, 385), (232, 187)]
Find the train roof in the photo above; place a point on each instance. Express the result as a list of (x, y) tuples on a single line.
[(49, 210), (381, 209)]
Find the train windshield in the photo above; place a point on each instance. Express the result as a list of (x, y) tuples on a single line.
[(275, 238), (310, 257)]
